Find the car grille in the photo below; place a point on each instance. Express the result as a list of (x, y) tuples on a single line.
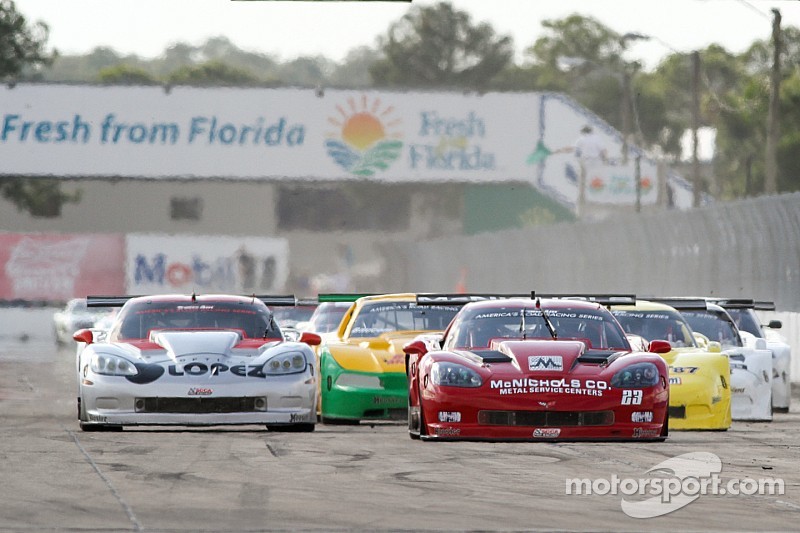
[(546, 418), (677, 412), (201, 405)]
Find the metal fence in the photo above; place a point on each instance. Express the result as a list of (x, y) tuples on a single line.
[(748, 249)]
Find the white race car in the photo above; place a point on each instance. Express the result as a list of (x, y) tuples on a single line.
[(750, 360), (195, 361), (744, 314)]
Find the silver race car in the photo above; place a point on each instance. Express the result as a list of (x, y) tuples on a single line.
[(196, 360)]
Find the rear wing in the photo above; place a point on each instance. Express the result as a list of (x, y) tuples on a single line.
[(605, 300), (733, 303), (119, 301), (461, 299), (744, 303), (342, 296), (108, 301), (764, 306), (682, 303)]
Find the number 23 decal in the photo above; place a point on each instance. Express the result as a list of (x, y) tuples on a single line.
[(631, 397)]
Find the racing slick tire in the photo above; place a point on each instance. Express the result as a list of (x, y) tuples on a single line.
[(422, 429), (340, 421), (665, 428), (292, 428)]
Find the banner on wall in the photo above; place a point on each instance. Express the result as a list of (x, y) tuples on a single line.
[(57, 267), (306, 134), (184, 264)]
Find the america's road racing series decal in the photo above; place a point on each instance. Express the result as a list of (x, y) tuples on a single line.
[(578, 387)]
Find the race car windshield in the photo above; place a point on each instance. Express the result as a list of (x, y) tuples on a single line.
[(714, 326), (661, 325), (253, 321), (384, 317), (746, 320), (289, 316), (327, 318), (477, 330)]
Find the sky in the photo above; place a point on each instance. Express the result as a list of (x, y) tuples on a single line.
[(287, 29)]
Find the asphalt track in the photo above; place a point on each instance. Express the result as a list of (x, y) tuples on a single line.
[(53, 477)]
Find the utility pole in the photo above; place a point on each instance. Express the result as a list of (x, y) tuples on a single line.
[(773, 122), (696, 179)]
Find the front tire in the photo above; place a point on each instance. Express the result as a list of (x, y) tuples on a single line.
[(293, 428)]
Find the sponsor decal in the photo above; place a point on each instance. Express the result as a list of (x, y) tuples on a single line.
[(449, 416), (384, 400), (579, 387), (398, 359), (547, 433), (215, 369), (200, 391), (737, 390), (632, 397), (642, 416), (545, 362), (675, 381), (299, 417), (447, 432), (97, 418), (643, 433)]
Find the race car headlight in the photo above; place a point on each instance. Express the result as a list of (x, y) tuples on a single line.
[(112, 365), (454, 375), (361, 381), (287, 363), (636, 376)]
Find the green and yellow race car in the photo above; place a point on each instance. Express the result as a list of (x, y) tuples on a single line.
[(362, 364), (699, 377)]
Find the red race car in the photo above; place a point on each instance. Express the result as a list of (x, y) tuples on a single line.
[(535, 369)]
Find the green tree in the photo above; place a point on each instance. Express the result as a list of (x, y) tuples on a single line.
[(124, 74), (354, 70), (213, 72), (23, 49), (22, 45), (438, 46)]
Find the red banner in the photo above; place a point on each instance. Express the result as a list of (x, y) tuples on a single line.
[(57, 267)]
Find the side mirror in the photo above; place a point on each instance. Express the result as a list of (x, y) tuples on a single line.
[(714, 347), (775, 324), (415, 348), (83, 335), (658, 346), (312, 339)]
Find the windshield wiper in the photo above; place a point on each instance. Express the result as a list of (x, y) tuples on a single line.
[(546, 318)]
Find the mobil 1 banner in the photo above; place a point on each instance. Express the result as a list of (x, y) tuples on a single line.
[(158, 263)]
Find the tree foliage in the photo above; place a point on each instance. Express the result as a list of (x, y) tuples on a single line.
[(23, 48), (438, 46), (22, 45), (213, 72)]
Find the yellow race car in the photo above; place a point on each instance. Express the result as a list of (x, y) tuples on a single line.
[(699, 377), (362, 364)]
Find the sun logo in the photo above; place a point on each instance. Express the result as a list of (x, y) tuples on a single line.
[(367, 139)]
